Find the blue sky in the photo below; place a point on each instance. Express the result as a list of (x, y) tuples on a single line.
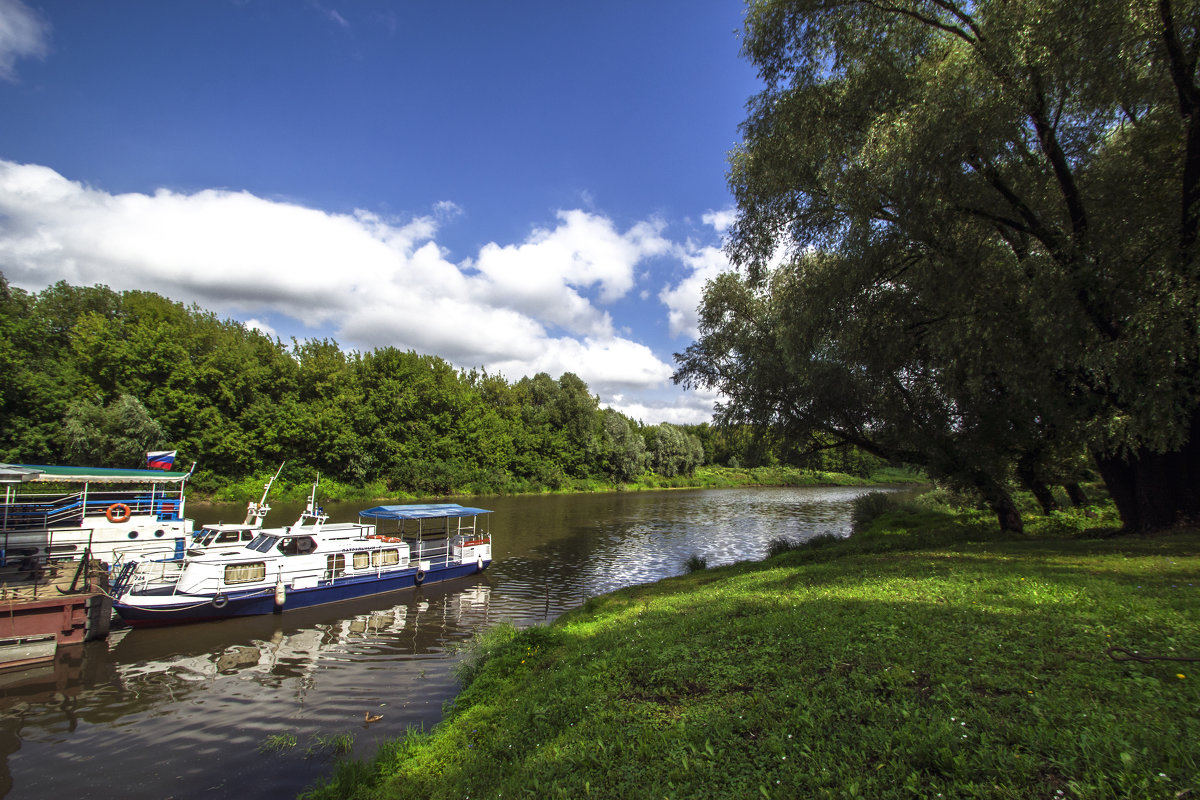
[(523, 186)]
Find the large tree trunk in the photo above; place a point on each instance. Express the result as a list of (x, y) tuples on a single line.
[(1155, 490), (1078, 497), (1029, 477), (1000, 501)]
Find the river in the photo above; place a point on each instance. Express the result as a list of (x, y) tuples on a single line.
[(185, 711)]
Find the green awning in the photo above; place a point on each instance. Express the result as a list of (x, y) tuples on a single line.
[(48, 474)]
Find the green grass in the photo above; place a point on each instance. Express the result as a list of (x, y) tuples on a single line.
[(925, 656), (337, 745), (333, 491), (277, 743)]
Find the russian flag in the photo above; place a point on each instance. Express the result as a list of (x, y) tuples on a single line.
[(160, 459)]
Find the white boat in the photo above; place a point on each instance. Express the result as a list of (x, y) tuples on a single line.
[(309, 563), (225, 534), (61, 513)]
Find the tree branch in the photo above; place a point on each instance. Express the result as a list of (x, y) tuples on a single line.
[(933, 22), (1182, 71)]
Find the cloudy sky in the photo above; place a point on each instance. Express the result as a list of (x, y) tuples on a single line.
[(520, 186)]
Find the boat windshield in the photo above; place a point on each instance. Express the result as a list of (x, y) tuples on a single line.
[(262, 543), (204, 536), (207, 536)]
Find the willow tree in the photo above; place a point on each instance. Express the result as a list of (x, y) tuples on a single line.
[(1011, 186)]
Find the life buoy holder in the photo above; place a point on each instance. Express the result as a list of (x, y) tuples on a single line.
[(419, 578), (118, 512), (220, 601)]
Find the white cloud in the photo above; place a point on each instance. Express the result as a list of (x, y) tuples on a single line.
[(545, 275), (720, 220), (262, 327), (683, 299), (23, 34), (677, 407), (371, 280)]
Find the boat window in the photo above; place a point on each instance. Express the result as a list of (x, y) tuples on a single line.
[(362, 560), (297, 545), (227, 536), (262, 543), (336, 564), (388, 558), (247, 535), (245, 573)]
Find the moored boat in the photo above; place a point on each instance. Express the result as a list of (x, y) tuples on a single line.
[(224, 534), (309, 563), (52, 513)]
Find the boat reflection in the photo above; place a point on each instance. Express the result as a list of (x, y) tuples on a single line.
[(332, 663), (268, 651)]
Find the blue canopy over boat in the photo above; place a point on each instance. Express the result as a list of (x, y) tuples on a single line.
[(422, 511)]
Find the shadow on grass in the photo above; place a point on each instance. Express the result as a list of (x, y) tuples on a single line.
[(975, 670)]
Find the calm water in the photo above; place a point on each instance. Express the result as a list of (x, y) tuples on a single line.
[(181, 712)]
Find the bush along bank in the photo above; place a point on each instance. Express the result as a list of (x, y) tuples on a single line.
[(297, 487), (926, 656)]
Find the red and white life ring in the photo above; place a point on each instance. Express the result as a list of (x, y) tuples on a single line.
[(118, 512)]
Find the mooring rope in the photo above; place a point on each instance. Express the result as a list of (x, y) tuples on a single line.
[(186, 608)]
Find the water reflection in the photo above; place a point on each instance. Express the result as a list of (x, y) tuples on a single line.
[(183, 711)]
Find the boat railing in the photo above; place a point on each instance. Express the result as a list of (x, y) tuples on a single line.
[(34, 552), (132, 570), (438, 552), (41, 511)]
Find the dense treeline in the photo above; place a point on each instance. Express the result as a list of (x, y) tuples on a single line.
[(96, 378), (969, 239)]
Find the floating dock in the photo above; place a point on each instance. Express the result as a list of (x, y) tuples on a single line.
[(45, 607)]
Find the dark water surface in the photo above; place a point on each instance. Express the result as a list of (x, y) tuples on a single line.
[(181, 712)]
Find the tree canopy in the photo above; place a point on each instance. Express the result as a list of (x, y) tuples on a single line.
[(967, 233), (95, 377)]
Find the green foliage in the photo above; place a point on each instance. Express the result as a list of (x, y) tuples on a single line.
[(695, 563), (989, 221), (481, 647), (973, 666), (869, 507), (672, 451), (336, 745), (117, 435), (782, 544), (277, 743)]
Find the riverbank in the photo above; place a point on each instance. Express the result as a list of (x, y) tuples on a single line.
[(926, 656), (710, 477)]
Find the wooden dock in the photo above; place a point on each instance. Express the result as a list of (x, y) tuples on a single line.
[(47, 606)]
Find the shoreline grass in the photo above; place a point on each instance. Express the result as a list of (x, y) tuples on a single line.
[(332, 491), (925, 656)]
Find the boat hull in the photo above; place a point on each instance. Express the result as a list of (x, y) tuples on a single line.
[(151, 609)]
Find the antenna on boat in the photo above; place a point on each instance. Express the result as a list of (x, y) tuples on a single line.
[(312, 510), (255, 512)]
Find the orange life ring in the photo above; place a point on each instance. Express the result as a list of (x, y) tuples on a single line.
[(118, 512)]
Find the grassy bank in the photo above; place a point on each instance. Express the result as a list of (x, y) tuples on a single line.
[(926, 657), (703, 478)]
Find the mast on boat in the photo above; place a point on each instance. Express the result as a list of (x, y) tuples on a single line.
[(312, 512), (256, 512)]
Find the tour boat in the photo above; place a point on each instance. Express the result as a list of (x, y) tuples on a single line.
[(102, 512), (307, 564)]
